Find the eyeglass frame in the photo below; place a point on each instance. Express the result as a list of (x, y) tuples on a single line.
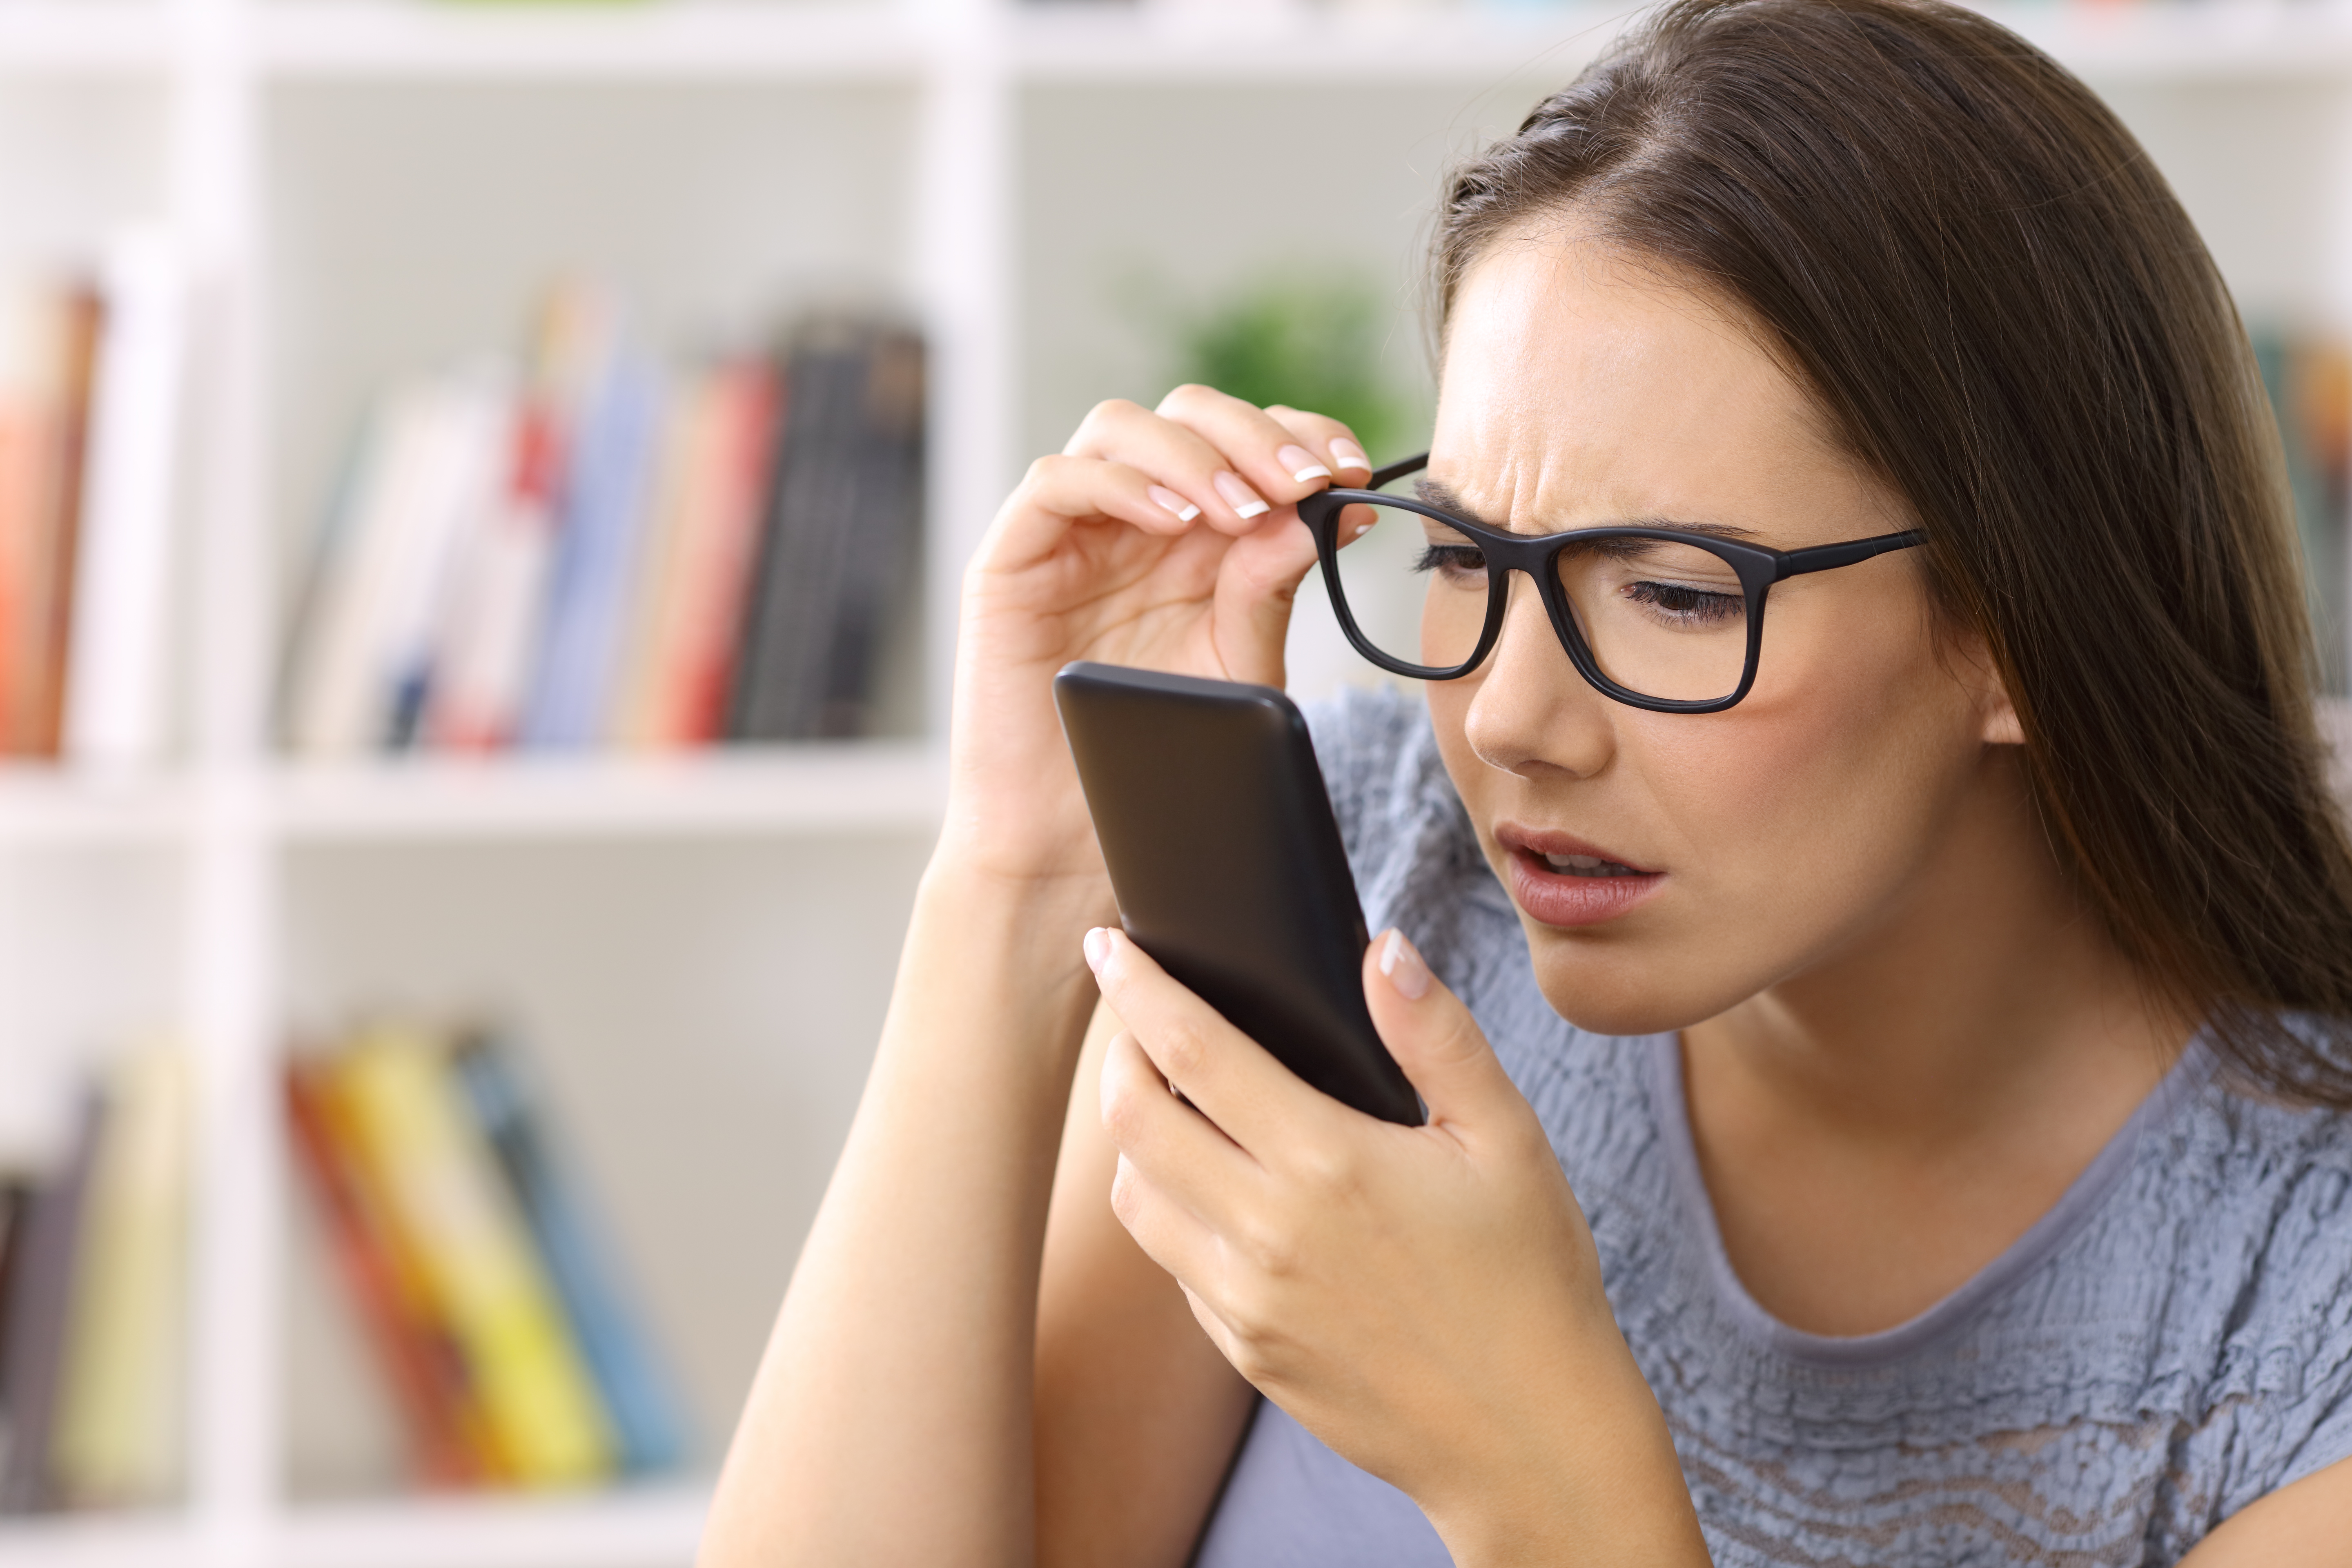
[(1758, 567)]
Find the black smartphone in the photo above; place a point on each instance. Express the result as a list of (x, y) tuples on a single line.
[(1219, 837)]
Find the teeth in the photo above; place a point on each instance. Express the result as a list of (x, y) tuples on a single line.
[(1587, 866)]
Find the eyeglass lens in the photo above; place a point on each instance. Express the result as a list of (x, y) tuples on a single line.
[(1661, 619)]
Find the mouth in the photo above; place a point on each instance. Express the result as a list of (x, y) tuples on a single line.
[(1559, 881), (1589, 865)]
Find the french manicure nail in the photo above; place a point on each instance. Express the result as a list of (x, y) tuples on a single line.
[(1301, 464), (1161, 496), (1098, 949), (1404, 967), (1345, 455), (1239, 495)]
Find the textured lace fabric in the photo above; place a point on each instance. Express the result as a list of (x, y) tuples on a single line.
[(2172, 1341)]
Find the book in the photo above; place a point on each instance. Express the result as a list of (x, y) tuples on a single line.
[(484, 658), (685, 664), (119, 1421), (34, 333), (428, 467), (681, 497), (831, 485), (884, 522), (114, 709), (637, 1391), (2309, 379), (40, 1298), (449, 1444), (588, 594), (37, 704), (446, 1193)]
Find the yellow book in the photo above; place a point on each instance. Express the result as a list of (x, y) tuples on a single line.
[(120, 1433), (447, 1195)]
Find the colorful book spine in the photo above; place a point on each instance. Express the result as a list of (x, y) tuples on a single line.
[(636, 1390), (680, 699), (447, 1193), (422, 1364), (120, 1422), (650, 571), (589, 594), (488, 651), (36, 717)]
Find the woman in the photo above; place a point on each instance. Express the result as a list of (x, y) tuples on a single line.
[(1885, 1119)]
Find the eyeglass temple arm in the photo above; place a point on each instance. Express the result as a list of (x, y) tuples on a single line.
[(1827, 557), (1383, 477)]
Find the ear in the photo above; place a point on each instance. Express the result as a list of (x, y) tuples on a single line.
[(1998, 723)]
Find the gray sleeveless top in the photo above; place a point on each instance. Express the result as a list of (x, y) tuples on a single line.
[(2169, 1342)]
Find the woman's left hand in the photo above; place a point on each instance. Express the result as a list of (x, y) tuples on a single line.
[(1426, 1301)]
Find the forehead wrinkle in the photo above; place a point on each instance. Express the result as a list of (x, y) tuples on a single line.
[(1440, 494)]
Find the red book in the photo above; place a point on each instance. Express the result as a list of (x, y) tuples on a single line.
[(39, 707), (420, 1360), (710, 623)]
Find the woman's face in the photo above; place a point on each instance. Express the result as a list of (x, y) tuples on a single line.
[(1582, 390)]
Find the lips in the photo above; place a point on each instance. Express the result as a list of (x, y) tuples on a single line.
[(1562, 880)]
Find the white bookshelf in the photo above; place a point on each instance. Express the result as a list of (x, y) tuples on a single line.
[(700, 947)]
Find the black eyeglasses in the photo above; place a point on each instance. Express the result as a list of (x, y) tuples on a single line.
[(1661, 619)]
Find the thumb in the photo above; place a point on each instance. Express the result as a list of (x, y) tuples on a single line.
[(1433, 1037)]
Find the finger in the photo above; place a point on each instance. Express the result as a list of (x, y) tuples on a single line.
[(1261, 450), (1437, 1041), (1175, 456), (1173, 1144), (1169, 1233), (1253, 1099), (1319, 433), (1061, 491)]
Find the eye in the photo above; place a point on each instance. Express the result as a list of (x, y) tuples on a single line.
[(1453, 560), (1683, 605)]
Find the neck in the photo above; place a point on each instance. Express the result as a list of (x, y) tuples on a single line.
[(1987, 987), (1874, 1130)]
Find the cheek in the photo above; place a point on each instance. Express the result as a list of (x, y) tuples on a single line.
[(1810, 805)]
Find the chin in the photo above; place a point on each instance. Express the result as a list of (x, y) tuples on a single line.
[(1627, 986)]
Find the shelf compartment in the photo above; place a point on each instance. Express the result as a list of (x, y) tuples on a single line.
[(653, 1527), (100, 1541), (65, 39), (760, 39), (2239, 38), (865, 786)]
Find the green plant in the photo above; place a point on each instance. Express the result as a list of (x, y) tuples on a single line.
[(1310, 340)]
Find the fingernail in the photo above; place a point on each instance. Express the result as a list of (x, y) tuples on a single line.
[(1346, 454), (1301, 464), (1239, 495), (1404, 967), (1163, 495), (1098, 949)]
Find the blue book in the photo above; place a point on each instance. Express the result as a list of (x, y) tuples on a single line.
[(605, 503), (638, 1393)]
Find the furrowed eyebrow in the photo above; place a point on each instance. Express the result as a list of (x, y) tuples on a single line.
[(1443, 496)]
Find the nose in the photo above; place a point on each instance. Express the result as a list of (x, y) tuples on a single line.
[(1533, 713)]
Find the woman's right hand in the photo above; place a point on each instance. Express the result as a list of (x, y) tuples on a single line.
[(1164, 539)]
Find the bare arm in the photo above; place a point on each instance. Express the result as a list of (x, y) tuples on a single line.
[(890, 1421), (891, 1418), (1138, 1412), (2306, 1525)]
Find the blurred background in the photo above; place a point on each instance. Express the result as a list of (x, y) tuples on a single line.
[(482, 489)]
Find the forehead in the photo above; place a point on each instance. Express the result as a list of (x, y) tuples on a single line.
[(1582, 387)]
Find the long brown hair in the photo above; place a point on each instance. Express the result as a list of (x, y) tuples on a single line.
[(2004, 311)]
